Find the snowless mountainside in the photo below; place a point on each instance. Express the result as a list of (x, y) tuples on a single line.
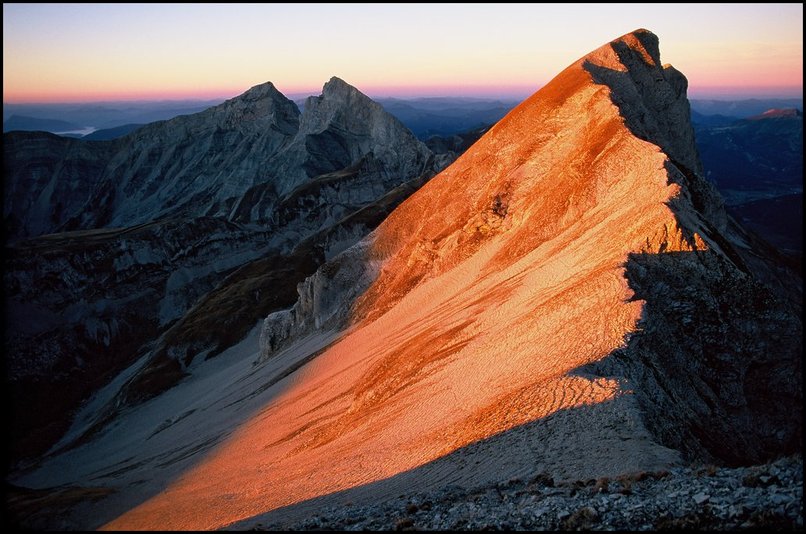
[(568, 297), (182, 235), (244, 160)]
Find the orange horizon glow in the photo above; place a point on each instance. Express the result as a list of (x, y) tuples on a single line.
[(63, 53), (501, 92), (512, 91)]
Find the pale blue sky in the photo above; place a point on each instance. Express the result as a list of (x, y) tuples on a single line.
[(61, 52)]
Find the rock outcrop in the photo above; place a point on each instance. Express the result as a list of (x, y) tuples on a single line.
[(687, 498)]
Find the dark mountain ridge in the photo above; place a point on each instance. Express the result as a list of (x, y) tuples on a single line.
[(113, 243)]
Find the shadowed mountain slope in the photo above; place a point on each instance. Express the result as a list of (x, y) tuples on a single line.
[(166, 224)]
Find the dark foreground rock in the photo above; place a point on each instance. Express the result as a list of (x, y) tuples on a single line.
[(706, 497)]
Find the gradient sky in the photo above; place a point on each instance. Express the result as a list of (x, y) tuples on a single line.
[(91, 52)]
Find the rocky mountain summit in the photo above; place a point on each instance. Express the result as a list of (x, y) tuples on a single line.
[(567, 301), (225, 210)]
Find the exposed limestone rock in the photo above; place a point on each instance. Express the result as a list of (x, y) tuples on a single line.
[(177, 225), (324, 300)]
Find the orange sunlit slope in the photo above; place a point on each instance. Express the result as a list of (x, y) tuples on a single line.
[(494, 282)]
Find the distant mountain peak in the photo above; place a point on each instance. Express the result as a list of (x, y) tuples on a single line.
[(261, 91), (262, 102), (337, 84), (777, 113), (342, 104), (338, 90), (252, 110)]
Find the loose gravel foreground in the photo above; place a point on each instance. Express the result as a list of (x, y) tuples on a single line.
[(704, 497)]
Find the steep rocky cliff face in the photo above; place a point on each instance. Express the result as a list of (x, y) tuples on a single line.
[(226, 210), (568, 299)]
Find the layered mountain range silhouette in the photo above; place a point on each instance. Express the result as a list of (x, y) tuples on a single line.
[(568, 297)]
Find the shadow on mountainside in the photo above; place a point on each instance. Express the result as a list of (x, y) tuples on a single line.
[(224, 312), (712, 370), (715, 361), (80, 308), (718, 358), (588, 441), (128, 462), (136, 446)]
